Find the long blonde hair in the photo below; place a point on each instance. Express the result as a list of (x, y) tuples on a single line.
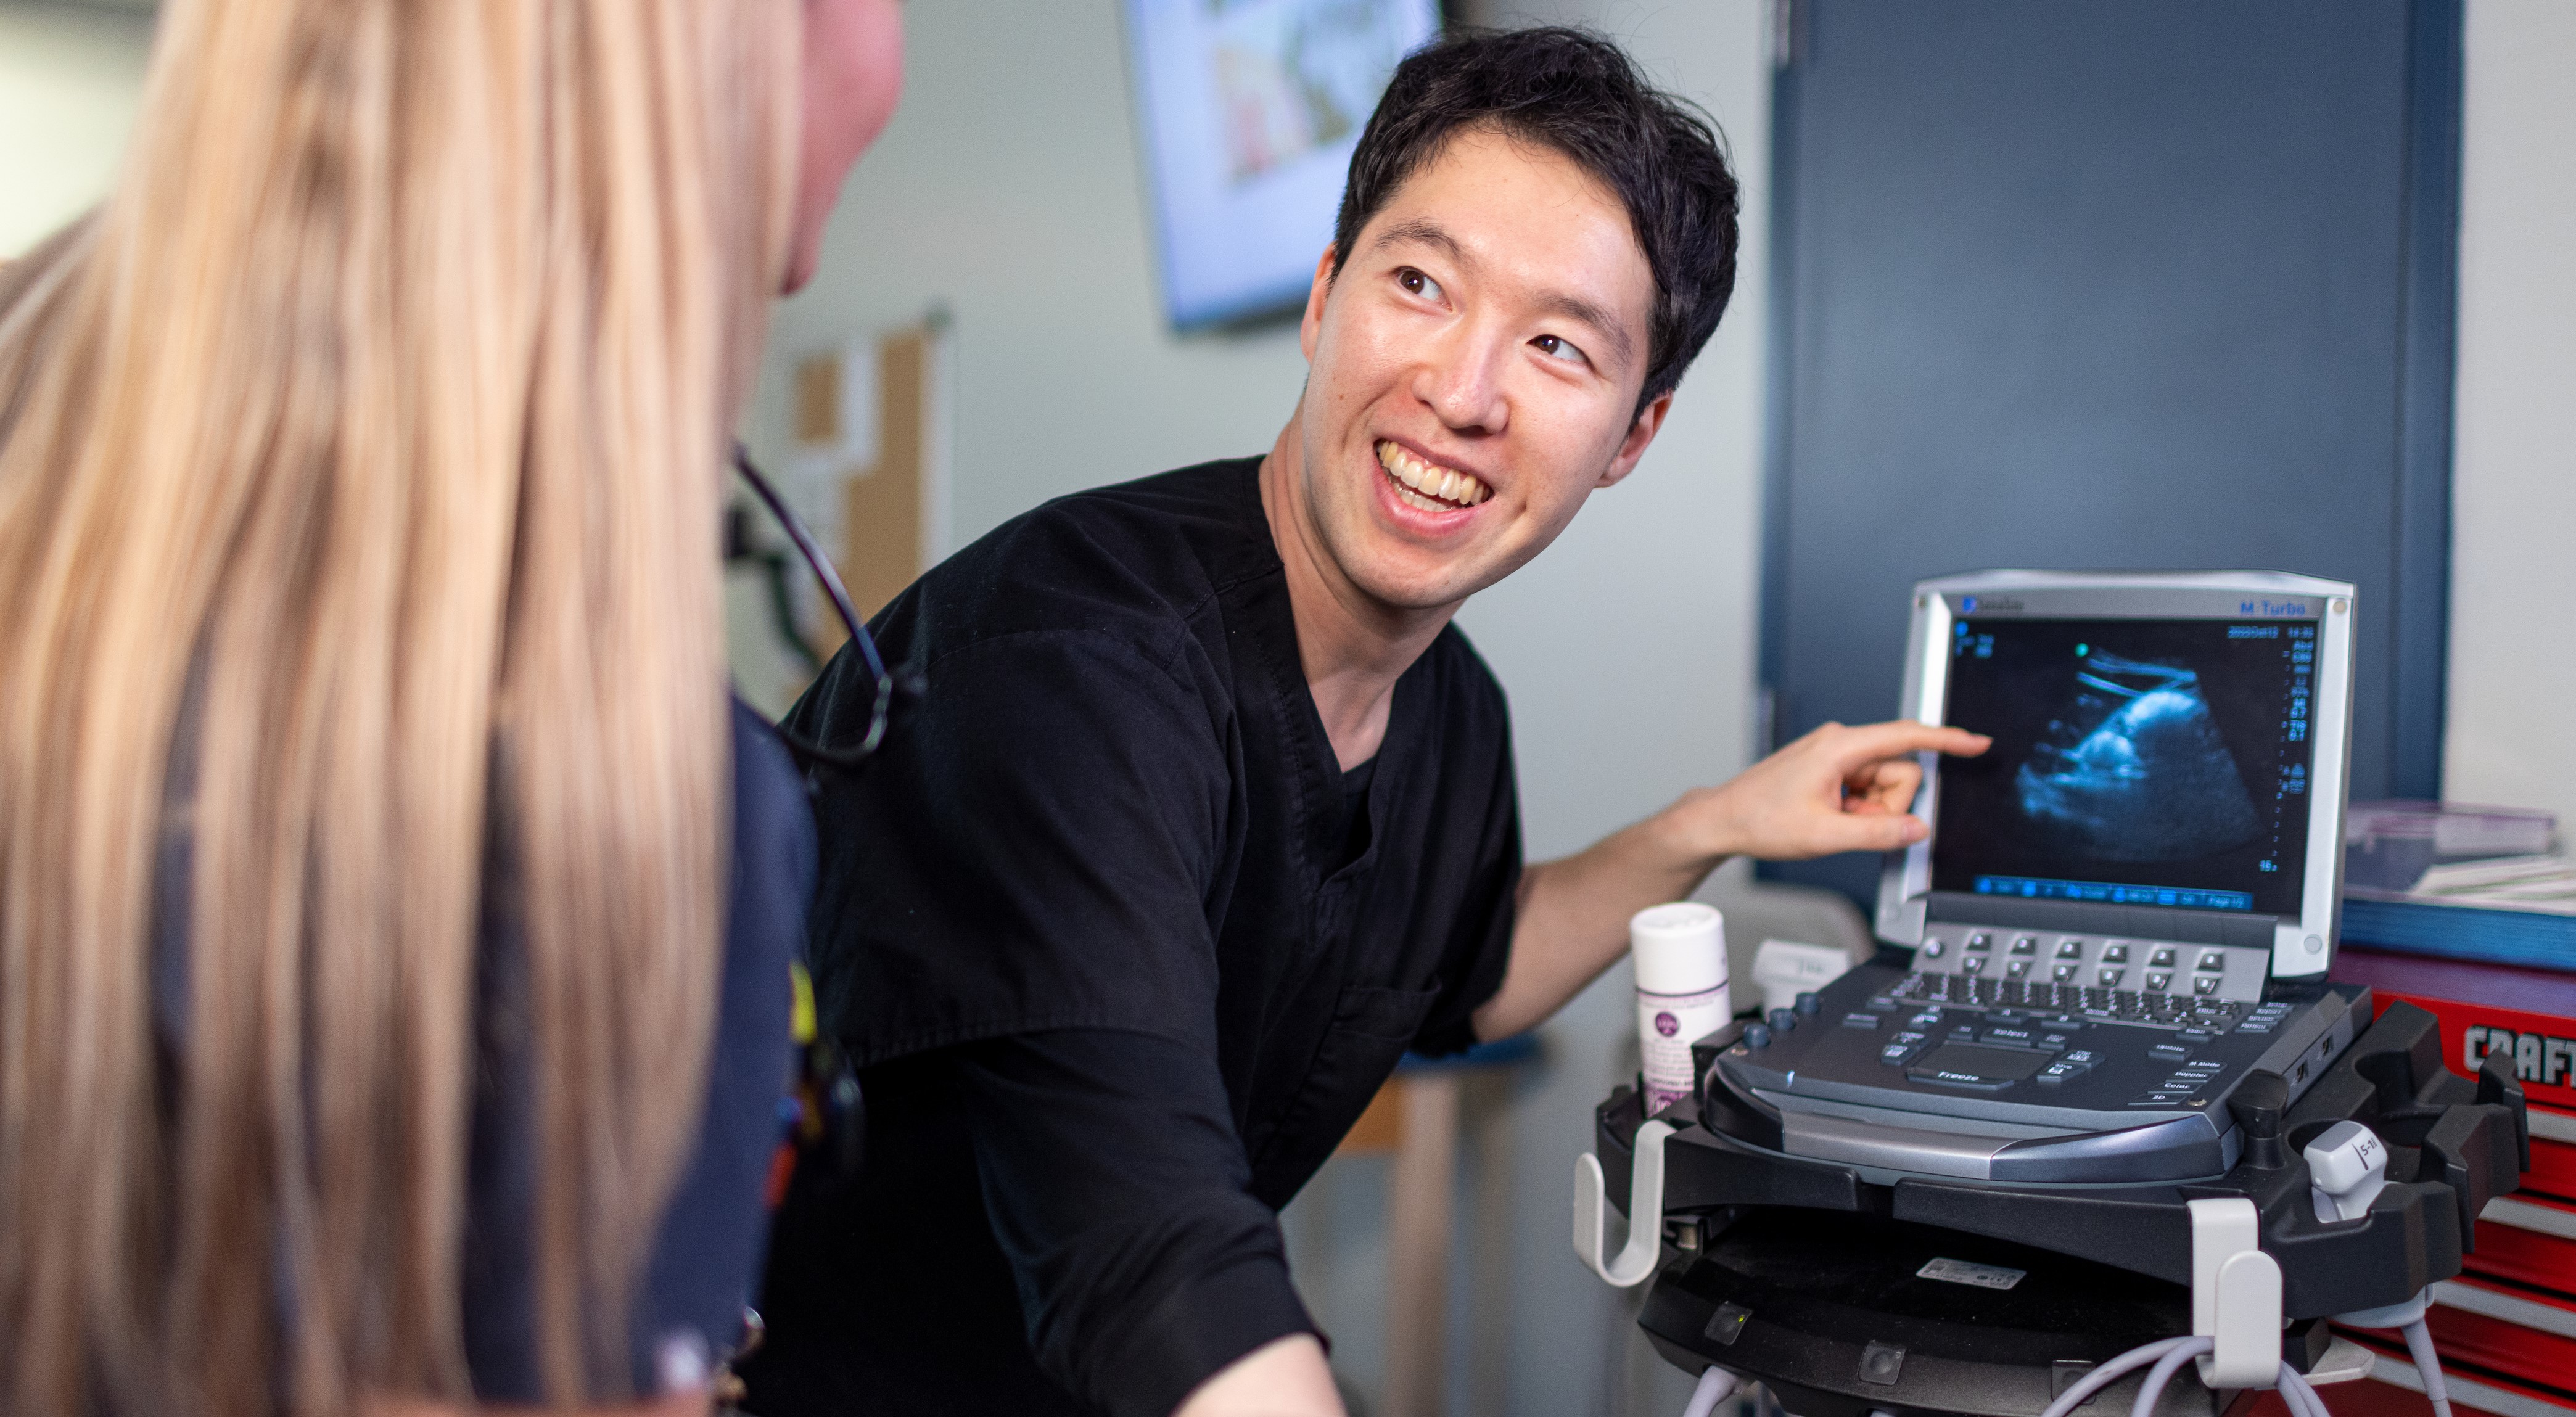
[(384, 400)]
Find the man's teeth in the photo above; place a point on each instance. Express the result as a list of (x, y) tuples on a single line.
[(1419, 482)]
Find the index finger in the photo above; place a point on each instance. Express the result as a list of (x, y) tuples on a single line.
[(1875, 741)]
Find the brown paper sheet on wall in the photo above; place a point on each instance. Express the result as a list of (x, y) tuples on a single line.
[(884, 502)]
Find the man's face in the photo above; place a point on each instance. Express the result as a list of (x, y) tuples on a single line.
[(1475, 370)]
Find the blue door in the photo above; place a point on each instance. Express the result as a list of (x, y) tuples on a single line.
[(2111, 284)]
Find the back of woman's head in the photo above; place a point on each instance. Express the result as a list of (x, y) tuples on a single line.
[(359, 474)]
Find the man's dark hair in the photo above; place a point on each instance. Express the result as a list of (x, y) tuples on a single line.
[(1581, 95)]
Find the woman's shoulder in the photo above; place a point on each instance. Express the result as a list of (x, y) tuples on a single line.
[(707, 1248), (773, 835)]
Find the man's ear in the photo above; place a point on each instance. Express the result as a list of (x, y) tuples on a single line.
[(1641, 434), (1311, 328)]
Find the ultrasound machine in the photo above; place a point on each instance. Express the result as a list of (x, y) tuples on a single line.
[(2095, 1112)]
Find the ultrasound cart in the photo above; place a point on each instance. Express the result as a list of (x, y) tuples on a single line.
[(2093, 1130)]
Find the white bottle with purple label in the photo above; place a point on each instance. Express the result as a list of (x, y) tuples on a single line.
[(1680, 956)]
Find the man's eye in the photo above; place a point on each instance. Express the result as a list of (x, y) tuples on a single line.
[(1557, 347), (1416, 283)]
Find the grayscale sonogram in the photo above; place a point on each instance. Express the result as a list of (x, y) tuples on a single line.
[(2133, 768)]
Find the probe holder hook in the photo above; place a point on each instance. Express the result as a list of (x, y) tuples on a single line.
[(2235, 1295), (1636, 1260)]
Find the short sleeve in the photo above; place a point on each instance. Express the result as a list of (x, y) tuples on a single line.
[(1119, 1192), (1038, 846)]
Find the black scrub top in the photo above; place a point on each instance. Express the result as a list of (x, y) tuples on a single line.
[(1122, 954)]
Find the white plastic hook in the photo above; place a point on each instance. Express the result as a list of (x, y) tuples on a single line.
[(2235, 1295), (1636, 1259)]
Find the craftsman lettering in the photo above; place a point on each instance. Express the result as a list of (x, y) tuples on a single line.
[(2537, 1057)]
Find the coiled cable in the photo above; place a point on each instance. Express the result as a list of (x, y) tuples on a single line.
[(2168, 1355)]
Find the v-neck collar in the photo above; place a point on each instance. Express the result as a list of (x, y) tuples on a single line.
[(1319, 768)]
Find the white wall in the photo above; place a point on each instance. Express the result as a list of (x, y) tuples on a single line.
[(1008, 189), (2513, 547), (69, 81)]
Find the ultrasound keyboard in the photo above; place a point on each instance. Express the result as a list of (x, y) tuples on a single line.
[(1950, 1073)]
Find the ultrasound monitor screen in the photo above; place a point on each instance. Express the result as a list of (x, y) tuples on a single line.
[(2136, 762)]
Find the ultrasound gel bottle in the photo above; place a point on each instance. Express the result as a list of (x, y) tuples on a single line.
[(1680, 955)]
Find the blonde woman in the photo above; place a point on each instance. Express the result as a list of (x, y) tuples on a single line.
[(382, 1025)]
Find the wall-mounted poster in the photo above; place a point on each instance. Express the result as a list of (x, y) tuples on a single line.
[(1249, 111)]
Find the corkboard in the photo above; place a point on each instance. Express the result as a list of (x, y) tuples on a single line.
[(881, 505)]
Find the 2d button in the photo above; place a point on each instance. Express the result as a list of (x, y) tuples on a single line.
[(2161, 959), (2157, 1099), (2157, 980), (2063, 973), (2206, 984)]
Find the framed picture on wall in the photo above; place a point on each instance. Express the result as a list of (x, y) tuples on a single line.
[(1247, 112)]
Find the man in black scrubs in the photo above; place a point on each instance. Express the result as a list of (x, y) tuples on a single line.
[(1208, 815)]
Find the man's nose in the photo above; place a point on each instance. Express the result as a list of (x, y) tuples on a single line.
[(1461, 379)]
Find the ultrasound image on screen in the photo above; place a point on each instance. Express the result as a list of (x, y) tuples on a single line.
[(2144, 762)]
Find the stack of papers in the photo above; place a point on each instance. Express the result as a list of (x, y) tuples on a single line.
[(2505, 910), (2539, 883)]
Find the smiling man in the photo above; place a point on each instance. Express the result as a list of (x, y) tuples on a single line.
[(1208, 814)]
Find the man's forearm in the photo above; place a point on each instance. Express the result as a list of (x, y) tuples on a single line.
[(1836, 789), (1573, 918)]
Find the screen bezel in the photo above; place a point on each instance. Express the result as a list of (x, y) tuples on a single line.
[(2300, 948)]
